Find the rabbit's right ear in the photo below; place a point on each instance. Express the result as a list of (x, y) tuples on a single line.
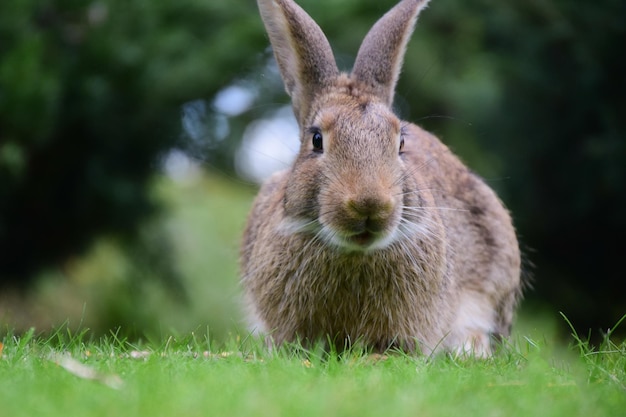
[(302, 51)]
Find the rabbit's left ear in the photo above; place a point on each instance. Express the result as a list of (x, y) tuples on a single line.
[(380, 57), (303, 53)]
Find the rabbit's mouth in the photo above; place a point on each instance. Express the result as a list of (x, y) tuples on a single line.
[(361, 224), (363, 239)]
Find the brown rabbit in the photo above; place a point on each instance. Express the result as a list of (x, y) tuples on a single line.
[(377, 234)]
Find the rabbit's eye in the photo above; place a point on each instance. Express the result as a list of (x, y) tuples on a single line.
[(318, 142), (401, 145)]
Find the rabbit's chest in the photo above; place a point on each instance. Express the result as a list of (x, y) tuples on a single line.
[(371, 298)]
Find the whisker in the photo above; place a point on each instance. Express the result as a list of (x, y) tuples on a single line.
[(424, 228), (267, 155), (419, 190), (409, 173), (416, 208)]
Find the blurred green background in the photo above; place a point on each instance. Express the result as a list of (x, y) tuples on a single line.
[(132, 134)]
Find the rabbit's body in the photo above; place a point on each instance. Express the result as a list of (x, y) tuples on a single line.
[(377, 233)]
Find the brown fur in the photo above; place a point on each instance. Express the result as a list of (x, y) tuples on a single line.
[(361, 242)]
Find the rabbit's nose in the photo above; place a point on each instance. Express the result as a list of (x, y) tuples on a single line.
[(369, 213), (370, 206)]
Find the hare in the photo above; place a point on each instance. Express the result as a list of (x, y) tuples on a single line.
[(377, 234)]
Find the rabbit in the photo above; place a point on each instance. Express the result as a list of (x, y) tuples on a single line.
[(377, 234)]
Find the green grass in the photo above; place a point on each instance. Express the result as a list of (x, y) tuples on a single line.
[(189, 377)]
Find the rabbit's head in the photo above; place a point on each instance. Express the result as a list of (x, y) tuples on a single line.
[(349, 182)]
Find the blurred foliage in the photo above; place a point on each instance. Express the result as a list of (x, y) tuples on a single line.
[(109, 288), (562, 115), (530, 94), (90, 96)]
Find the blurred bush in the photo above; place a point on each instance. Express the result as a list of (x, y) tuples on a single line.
[(529, 94), (90, 96), (560, 129), (113, 287)]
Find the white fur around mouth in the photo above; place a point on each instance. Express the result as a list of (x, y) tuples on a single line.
[(363, 242), (359, 242)]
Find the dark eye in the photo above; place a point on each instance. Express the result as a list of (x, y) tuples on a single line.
[(317, 141), (401, 145)]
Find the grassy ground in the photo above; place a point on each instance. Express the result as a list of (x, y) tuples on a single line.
[(69, 375)]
